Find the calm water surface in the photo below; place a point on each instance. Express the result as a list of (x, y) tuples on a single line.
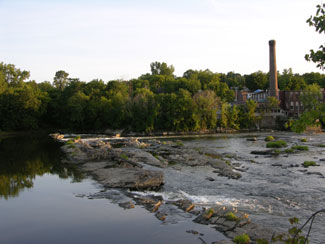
[(39, 203)]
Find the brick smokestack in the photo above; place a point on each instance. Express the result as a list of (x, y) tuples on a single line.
[(274, 91)]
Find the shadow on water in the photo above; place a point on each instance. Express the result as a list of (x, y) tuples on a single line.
[(23, 158)]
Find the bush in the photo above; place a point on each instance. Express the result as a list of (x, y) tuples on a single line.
[(124, 156), (276, 152), (231, 216), (70, 142), (303, 139), (306, 164), (288, 150), (300, 148), (269, 138), (276, 144), (242, 239), (77, 138)]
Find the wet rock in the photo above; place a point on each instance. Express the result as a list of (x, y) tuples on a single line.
[(322, 159), (251, 139), (194, 232), (316, 173), (126, 205), (161, 216), (262, 152), (132, 178), (210, 179), (277, 165), (223, 242), (294, 165)]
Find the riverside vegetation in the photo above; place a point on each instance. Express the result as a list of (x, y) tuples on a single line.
[(156, 101)]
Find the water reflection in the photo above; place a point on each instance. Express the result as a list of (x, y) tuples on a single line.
[(24, 158)]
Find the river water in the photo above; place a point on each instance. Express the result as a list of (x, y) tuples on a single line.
[(40, 203), (40, 197)]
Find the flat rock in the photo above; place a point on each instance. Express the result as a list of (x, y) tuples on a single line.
[(133, 178)]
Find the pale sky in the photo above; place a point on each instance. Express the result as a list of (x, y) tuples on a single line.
[(118, 39)]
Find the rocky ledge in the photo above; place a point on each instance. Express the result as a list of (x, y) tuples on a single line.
[(134, 164)]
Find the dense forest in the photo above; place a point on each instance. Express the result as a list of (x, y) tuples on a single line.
[(156, 101)]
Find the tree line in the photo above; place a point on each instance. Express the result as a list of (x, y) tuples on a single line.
[(156, 101)]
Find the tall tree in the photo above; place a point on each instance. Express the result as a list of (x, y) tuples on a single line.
[(60, 80)]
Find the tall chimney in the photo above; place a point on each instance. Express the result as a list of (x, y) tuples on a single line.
[(274, 91)]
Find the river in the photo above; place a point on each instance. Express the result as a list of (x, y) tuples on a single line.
[(40, 197)]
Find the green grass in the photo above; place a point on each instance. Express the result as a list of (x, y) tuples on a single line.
[(300, 148), (276, 152), (242, 239), (230, 216), (269, 138), (70, 142), (276, 144), (180, 144), (307, 164), (289, 150), (124, 156)]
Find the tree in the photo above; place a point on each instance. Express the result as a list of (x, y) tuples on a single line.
[(11, 75), (314, 109), (158, 68), (207, 106), (60, 79), (318, 21), (257, 80)]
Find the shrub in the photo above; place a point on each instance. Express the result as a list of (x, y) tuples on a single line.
[(303, 139), (231, 216), (242, 239), (300, 148), (321, 145), (124, 156), (276, 152), (269, 138), (77, 138), (288, 150), (70, 142), (306, 164), (276, 144)]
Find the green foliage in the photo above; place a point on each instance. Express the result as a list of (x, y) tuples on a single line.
[(300, 148), (257, 80), (289, 150), (318, 21), (242, 239), (307, 164), (230, 216), (160, 101), (269, 138), (303, 140), (124, 156), (276, 144), (276, 152), (293, 236)]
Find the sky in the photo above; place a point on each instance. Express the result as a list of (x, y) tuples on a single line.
[(118, 39)]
